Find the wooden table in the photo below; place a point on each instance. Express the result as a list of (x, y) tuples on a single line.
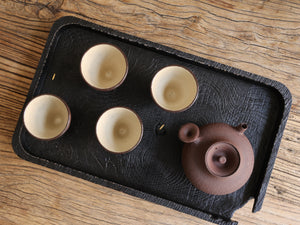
[(262, 37)]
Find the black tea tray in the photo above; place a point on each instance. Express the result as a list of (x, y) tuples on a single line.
[(153, 170)]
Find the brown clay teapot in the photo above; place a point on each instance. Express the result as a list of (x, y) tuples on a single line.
[(217, 158)]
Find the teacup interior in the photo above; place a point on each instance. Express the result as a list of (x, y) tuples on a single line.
[(119, 130), (104, 66), (46, 117), (174, 88)]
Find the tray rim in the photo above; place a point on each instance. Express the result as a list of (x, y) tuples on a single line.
[(265, 177)]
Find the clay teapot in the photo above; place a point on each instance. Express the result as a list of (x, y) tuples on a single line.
[(217, 158)]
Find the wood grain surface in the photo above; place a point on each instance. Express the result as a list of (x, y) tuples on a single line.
[(262, 37)]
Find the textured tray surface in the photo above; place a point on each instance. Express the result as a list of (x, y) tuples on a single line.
[(153, 170)]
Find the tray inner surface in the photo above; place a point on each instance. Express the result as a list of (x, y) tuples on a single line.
[(154, 166)]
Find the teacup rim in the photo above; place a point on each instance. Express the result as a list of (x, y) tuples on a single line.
[(140, 138), (66, 127), (187, 107), (123, 78)]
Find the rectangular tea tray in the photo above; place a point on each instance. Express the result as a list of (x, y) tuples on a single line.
[(153, 170)]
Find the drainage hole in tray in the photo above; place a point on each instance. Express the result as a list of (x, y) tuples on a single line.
[(160, 129)]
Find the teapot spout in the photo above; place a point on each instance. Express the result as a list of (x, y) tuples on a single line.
[(241, 128), (189, 133)]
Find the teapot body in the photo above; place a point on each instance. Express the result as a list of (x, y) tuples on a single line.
[(217, 158)]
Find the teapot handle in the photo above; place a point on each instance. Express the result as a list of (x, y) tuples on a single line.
[(241, 128)]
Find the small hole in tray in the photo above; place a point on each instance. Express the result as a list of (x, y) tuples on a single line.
[(160, 129)]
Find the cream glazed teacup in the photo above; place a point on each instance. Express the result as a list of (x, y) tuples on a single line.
[(174, 88), (47, 117), (104, 67), (119, 130)]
